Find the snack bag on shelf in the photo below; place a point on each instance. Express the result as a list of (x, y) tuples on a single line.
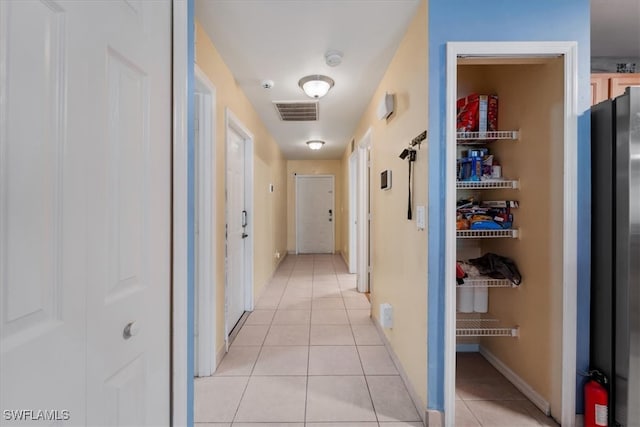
[(468, 113), (477, 113)]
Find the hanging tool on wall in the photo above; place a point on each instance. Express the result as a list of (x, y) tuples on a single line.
[(410, 153)]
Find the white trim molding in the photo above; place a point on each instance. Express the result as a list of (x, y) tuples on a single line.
[(179, 297), (567, 50), (205, 224), (535, 397), (363, 205), (352, 262)]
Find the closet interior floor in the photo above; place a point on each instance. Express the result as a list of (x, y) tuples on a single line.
[(484, 397)]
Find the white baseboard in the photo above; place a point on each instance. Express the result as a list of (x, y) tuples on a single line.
[(405, 378), (518, 382)]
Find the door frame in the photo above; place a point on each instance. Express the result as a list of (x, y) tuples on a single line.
[(333, 208), (234, 124), (181, 284), (364, 212), (568, 50), (353, 213), (205, 251)]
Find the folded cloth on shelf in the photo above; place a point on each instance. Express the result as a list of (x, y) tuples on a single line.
[(497, 267)]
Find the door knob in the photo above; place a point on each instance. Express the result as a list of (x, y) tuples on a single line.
[(130, 330)]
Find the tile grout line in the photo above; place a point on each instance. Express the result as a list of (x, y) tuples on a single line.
[(233, 420), (364, 374), (306, 395)]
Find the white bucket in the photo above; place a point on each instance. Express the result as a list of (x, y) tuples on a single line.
[(465, 299)]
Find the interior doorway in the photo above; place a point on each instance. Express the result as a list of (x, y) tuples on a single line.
[(239, 221), (204, 226)]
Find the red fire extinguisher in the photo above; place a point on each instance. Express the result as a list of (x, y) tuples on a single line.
[(596, 400)]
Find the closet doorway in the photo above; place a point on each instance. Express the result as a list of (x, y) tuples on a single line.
[(513, 329)]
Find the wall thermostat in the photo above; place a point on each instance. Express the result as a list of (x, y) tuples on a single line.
[(385, 179)]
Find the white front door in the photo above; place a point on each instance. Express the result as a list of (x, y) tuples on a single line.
[(237, 222), (85, 115), (315, 214)]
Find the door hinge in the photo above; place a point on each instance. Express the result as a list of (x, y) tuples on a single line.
[(369, 163), (196, 125), (370, 269), (370, 216)]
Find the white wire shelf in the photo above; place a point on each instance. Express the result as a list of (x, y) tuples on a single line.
[(487, 234), (483, 327), (477, 138), (488, 184), (486, 282)]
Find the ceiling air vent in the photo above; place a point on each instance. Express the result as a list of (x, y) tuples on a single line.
[(297, 111)]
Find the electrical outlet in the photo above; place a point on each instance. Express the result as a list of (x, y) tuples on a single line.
[(386, 315)]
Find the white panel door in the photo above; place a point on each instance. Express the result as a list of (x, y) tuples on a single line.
[(129, 205), (86, 139), (236, 227), (42, 217), (315, 214)]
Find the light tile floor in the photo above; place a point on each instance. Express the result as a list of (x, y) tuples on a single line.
[(485, 398), (309, 354)]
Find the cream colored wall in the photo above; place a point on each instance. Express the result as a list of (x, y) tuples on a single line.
[(530, 99), (314, 167), (269, 168), (399, 250)]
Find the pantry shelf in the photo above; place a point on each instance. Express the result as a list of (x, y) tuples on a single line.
[(483, 327), (488, 184), (487, 234), (479, 138), (486, 282)]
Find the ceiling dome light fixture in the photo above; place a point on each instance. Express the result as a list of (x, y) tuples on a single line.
[(316, 86), (315, 144)]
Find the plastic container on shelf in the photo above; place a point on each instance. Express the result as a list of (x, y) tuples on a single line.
[(480, 300), (464, 299)]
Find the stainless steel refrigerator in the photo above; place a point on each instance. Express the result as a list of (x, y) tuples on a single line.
[(615, 265)]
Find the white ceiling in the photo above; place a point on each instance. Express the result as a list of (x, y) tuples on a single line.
[(615, 28), (284, 40)]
